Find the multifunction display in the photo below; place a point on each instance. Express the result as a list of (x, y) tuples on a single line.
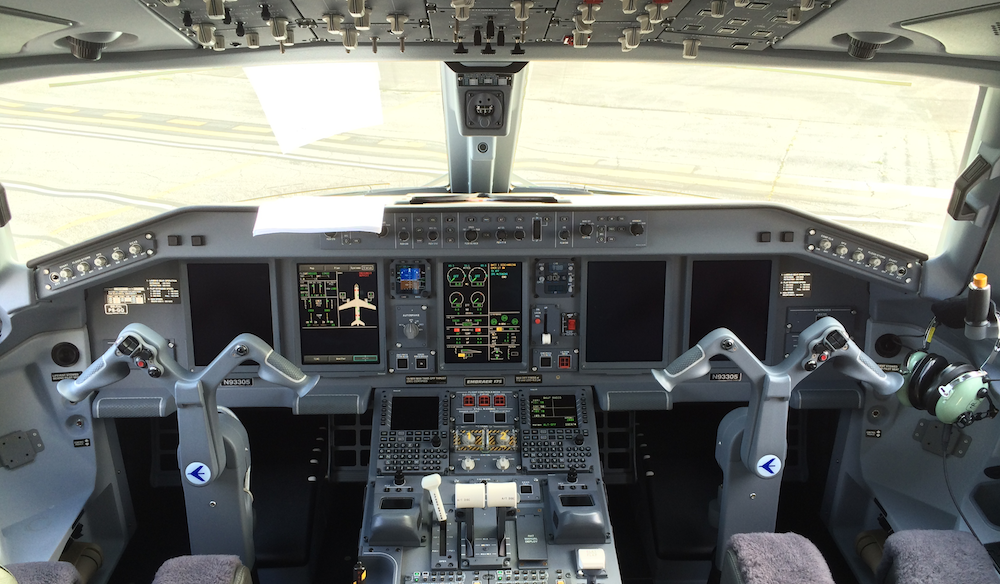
[(339, 314), (415, 413), (227, 300), (482, 312), (553, 411), (625, 309)]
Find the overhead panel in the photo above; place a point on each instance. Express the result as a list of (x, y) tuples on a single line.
[(489, 27), (18, 27), (973, 31)]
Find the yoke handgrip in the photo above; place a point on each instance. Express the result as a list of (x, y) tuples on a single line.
[(108, 369), (693, 364)]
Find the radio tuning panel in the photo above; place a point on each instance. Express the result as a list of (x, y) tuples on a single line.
[(891, 265), (91, 263)]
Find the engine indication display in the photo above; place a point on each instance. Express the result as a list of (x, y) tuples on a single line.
[(338, 313), (482, 312)]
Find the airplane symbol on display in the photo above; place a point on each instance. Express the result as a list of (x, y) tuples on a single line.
[(357, 304), (767, 465), (196, 473)]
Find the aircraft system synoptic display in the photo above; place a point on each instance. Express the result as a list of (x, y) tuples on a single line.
[(338, 313)]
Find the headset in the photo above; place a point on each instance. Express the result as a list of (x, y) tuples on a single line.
[(952, 392)]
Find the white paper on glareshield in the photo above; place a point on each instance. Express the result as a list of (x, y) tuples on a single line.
[(320, 215), (309, 102)]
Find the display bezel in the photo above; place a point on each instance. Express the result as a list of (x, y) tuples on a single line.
[(669, 298), (185, 281), (292, 281), (577, 424), (439, 280), (771, 305)]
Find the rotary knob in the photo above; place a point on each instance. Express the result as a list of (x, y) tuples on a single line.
[(118, 255), (586, 229), (637, 228), (135, 249), (468, 464), (411, 330), (501, 234), (471, 235), (469, 439), (875, 262), (891, 268), (858, 256), (503, 463), (65, 273), (825, 244), (83, 267), (100, 261), (841, 250)]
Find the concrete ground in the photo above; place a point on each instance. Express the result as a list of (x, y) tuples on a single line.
[(81, 156)]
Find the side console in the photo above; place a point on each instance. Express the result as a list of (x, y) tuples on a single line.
[(485, 486)]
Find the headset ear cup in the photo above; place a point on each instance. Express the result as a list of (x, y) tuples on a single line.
[(947, 375), (912, 363), (922, 381)]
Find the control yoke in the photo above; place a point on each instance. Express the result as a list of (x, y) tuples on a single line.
[(194, 392), (824, 340)]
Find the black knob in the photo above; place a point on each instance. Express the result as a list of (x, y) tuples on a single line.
[(154, 371), (398, 479), (501, 234), (265, 13), (811, 365), (471, 235), (586, 229), (404, 236), (564, 234), (637, 229), (432, 235), (519, 234), (436, 441), (571, 476), (578, 440), (187, 20)]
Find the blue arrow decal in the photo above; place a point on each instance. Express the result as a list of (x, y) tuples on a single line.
[(196, 473), (766, 466)]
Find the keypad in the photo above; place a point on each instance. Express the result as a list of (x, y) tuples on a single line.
[(555, 449)]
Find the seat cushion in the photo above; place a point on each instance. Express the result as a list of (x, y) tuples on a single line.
[(203, 570), (773, 558), (917, 556), (44, 573)]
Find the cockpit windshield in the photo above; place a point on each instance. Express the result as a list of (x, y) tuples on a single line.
[(84, 155)]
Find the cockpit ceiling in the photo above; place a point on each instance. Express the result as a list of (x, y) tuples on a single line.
[(506, 29)]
